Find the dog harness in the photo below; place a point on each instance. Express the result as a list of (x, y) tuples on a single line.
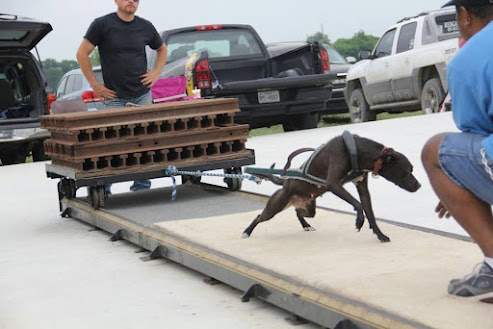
[(355, 175)]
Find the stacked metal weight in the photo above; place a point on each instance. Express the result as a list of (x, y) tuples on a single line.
[(133, 139)]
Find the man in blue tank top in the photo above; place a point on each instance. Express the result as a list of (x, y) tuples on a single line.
[(460, 165), (121, 38)]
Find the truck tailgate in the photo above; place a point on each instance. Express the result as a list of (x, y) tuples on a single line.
[(278, 83)]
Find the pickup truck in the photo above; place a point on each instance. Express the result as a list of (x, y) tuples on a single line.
[(277, 85), (407, 69)]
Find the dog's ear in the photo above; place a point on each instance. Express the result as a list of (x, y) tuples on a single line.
[(388, 155)]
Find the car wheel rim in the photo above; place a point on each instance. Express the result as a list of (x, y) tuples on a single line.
[(356, 111), (430, 102)]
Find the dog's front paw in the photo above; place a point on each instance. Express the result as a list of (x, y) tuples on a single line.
[(383, 238), (309, 228), (245, 235), (360, 220)]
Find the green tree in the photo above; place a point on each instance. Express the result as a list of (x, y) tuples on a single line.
[(352, 47), (53, 75), (319, 36), (67, 65), (54, 70), (94, 57)]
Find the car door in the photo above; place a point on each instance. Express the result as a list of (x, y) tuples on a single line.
[(378, 89), (402, 64)]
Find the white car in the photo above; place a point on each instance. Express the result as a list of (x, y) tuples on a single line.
[(407, 69)]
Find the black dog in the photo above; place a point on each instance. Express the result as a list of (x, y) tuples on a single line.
[(329, 166)]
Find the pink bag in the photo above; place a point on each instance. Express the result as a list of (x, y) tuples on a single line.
[(170, 90)]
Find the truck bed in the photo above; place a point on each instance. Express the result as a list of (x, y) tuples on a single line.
[(330, 276)]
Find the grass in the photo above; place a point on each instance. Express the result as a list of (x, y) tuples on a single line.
[(332, 120)]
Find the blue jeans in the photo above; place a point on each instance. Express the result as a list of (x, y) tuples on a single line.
[(461, 159), (145, 99)]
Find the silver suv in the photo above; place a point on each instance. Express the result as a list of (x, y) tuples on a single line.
[(24, 90)]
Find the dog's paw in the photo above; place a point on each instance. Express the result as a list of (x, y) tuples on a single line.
[(245, 235), (383, 238), (309, 228), (359, 222)]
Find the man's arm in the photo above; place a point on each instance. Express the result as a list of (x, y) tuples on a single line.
[(150, 78), (85, 49)]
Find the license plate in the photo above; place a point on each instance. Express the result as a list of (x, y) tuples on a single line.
[(339, 82), (270, 96)]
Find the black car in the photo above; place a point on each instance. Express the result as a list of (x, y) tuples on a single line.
[(24, 90), (338, 65)]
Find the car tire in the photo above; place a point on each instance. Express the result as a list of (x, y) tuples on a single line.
[(432, 96), (359, 109), (13, 157), (38, 153)]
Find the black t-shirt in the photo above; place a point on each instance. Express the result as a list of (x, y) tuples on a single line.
[(122, 51)]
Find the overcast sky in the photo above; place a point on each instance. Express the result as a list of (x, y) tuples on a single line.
[(274, 20)]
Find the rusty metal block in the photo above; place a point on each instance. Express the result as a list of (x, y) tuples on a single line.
[(126, 140), (222, 109), (146, 143)]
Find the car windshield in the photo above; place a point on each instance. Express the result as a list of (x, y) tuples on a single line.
[(335, 57), (218, 43)]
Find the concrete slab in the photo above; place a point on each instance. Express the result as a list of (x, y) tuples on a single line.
[(58, 273), (406, 278)]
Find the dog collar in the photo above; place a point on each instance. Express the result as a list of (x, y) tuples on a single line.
[(377, 165)]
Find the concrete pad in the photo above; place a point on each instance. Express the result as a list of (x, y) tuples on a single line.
[(58, 273), (407, 277)]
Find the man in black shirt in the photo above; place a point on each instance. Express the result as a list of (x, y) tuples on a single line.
[(121, 39)]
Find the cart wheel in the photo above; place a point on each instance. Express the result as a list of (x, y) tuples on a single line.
[(66, 188), (192, 179), (234, 184), (94, 197), (102, 196), (97, 196)]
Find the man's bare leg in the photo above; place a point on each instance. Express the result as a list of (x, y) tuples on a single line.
[(473, 214)]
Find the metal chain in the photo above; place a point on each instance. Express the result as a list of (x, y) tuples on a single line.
[(173, 171), (485, 163)]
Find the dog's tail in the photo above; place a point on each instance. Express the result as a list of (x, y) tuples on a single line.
[(292, 155)]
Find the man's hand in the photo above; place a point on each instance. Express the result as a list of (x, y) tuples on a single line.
[(442, 211), (149, 78), (103, 92)]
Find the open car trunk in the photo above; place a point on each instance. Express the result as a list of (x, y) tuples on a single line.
[(22, 93)]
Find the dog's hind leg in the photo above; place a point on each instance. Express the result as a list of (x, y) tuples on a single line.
[(277, 202), (365, 198), (309, 211)]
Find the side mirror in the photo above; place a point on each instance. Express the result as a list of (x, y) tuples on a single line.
[(351, 59), (365, 54)]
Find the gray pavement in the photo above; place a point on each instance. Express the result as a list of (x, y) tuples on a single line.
[(60, 273)]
